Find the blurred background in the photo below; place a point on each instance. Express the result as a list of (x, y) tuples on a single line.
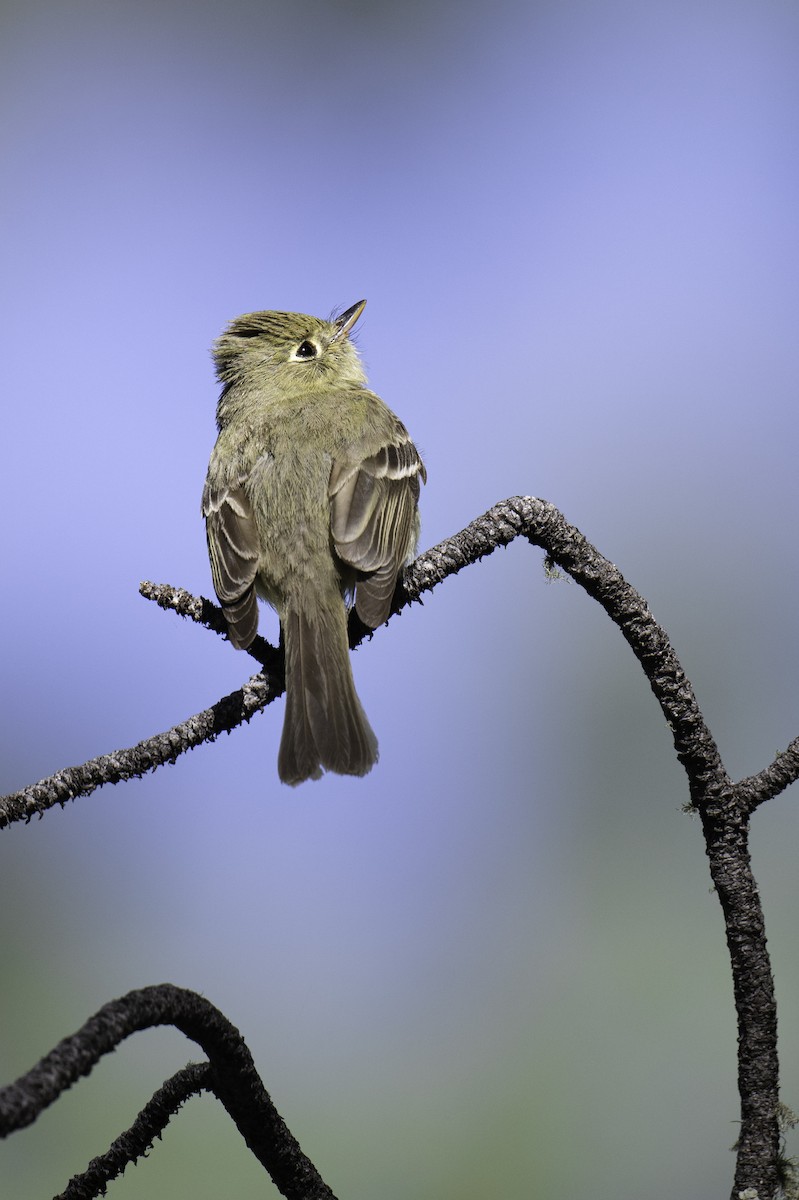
[(495, 966)]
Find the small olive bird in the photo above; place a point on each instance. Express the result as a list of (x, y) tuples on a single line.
[(310, 500)]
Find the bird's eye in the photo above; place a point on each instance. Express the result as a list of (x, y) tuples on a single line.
[(306, 349)]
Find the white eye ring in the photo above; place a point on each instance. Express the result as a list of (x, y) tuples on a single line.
[(306, 350)]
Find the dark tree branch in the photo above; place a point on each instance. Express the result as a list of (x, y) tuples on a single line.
[(768, 783), (544, 526), (232, 1077), (521, 516), (136, 1141), (156, 751), (205, 612), (724, 808)]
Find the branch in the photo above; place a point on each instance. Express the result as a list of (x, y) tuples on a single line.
[(521, 516), (231, 1075), (544, 526), (768, 783), (136, 1141), (156, 751), (724, 808)]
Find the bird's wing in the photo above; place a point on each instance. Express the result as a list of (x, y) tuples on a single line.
[(374, 519), (233, 550)]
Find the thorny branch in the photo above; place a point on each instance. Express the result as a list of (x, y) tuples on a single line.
[(724, 807)]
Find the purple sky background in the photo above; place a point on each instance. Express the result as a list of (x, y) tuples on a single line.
[(497, 958)]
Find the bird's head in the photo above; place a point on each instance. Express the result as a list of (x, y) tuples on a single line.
[(289, 353)]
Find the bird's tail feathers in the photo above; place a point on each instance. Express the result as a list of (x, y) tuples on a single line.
[(325, 726)]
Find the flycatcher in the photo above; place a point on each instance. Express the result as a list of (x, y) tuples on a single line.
[(310, 502)]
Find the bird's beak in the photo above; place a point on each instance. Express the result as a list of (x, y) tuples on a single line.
[(345, 322)]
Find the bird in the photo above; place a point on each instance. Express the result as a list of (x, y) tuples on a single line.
[(310, 503)]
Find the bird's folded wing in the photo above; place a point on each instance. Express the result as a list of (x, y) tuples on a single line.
[(374, 518), (233, 551)]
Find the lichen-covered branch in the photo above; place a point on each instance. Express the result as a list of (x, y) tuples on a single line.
[(232, 1077), (725, 808), (135, 1142), (522, 516), (773, 779), (155, 751)]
